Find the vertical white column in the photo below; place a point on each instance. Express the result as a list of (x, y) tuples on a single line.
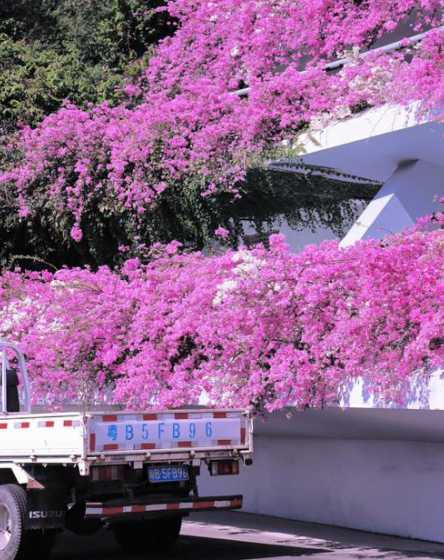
[(412, 191)]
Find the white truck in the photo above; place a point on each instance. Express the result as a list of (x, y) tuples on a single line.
[(132, 472)]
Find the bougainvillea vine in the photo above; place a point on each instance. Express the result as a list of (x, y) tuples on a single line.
[(261, 327), (183, 119)]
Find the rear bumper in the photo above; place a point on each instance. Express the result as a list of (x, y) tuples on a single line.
[(96, 510)]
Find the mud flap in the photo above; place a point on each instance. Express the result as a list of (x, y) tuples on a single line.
[(46, 509)]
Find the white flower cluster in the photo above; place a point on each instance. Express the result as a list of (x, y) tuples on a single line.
[(227, 287), (248, 265), (12, 314), (235, 51)]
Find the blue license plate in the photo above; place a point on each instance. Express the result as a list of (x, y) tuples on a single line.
[(168, 474)]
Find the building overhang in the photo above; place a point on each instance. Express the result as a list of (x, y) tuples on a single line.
[(375, 142)]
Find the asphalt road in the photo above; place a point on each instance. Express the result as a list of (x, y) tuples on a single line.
[(240, 536)]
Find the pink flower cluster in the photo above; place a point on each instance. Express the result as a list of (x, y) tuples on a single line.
[(261, 327), (188, 123)]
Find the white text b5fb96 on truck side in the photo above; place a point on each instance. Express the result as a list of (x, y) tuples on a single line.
[(133, 472)]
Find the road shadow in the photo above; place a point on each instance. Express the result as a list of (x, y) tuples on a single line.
[(103, 547), (352, 542), (237, 543), (205, 548)]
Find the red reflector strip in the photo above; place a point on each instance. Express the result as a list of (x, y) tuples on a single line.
[(110, 447), (92, 442), (219, 414), (109, 418), (22, 425), (148, 446), (181, 415), (224, 442), (243, 435), (3, 426), (137, 509), (109, 511), (173, 506), (67, 423), (46, 424), (203, 505), (185, 444), (150, 416)]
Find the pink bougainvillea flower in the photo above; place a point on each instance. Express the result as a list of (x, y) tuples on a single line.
[(187, 120), (222, 233), (261, 327)]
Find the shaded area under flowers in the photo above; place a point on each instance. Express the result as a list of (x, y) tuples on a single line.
[(269, 199)]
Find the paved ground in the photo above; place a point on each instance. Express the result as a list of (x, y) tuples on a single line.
[(241, 536)]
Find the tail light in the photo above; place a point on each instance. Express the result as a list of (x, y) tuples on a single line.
[(109, 472), (218, 468)]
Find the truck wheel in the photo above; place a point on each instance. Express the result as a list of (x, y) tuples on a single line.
[(169, 530), (141, 537), (12, 521)]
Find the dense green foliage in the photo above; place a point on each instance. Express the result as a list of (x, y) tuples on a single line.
[(81, 50), (35, 80)]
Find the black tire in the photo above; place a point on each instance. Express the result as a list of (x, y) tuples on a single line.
[(12, 521), (144, 537)]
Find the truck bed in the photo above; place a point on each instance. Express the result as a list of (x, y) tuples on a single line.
[(110, 436)]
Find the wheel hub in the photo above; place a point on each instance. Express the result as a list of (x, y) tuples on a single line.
[(5, 527)]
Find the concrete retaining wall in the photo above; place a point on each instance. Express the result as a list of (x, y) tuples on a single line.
[(385, 485)]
